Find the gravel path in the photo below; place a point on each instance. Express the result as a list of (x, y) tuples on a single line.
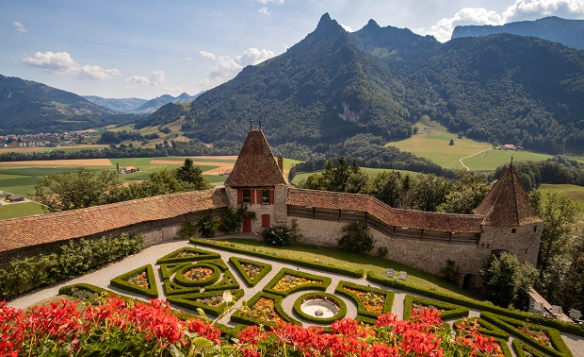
[(149, 255)]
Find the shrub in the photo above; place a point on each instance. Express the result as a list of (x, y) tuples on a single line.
[(277, 236), (207, 226), (232, 220), (450, 272), (187, 230), (357, 238)]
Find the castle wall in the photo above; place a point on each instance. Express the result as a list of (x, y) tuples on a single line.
[(522, 241), (425, 254), (277, 211)]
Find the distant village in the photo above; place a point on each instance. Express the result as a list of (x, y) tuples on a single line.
[(44, 139)]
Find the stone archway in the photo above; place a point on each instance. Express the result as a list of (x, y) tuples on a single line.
[(469, 282)]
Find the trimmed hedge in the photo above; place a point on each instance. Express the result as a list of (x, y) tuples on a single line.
[(521, 348), (171, 288), (251, 282), (168, 269), (510, 325), (200, 255), (239, 317), (504, 347), (188, 301), (448, 311), (525, 316), (486, 328), (122, 282), (269, 288), (224, 284), (318, 266), (320, 320), (361, 310), (219, 263), (178, 278)]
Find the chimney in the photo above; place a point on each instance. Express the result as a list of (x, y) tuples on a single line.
[(281, 162)]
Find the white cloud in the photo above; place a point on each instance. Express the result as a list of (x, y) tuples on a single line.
[(19, 27), (266, 2), (63, 63), (156, 79), (226, 67), (520, 10), (264, 10)]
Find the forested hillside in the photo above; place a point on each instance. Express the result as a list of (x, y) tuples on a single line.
[(334, 85)]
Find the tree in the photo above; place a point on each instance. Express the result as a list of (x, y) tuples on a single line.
[(193, 175), (72, 190), (451, 142), (507, 279), (357, 238)]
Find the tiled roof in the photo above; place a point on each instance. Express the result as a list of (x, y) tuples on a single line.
[(255, 165), (442, 222), (61, 226), (507, 204)]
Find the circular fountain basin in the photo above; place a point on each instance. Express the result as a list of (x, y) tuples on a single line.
[(319, 308)]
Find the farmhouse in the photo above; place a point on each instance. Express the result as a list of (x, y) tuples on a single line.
[(425, 240)]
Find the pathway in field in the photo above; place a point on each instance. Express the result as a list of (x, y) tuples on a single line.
[(466, 167)]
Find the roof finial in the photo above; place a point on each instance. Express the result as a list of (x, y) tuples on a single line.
[(260, 124), (250, 125)]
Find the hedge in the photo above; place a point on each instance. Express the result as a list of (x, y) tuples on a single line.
[(168, 269), (361, 310), (223, 284), (239, 317), (201, 255), (225, 330), (320, 320), (317, 266), (178, 277), (269, 288), (486, 328), (525, 316), (448, 311), (504, 347), (510, 325), (251, 282), (219, 263), (521, 348), (122, 282), (171, 288), (188, 301)]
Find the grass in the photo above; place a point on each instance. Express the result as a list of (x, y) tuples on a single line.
[(573, 192), (432, 142), (344, 259), (16, 210)]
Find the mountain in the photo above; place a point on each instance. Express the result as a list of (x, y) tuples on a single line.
[(567, 32), (154, 104), (122, 105), (31, 107)]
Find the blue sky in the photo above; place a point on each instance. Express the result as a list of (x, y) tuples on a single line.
[(146, 48)]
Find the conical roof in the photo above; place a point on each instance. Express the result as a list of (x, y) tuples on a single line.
[(507, 204), (255, 165)]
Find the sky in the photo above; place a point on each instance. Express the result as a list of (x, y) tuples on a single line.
[(146, 48)]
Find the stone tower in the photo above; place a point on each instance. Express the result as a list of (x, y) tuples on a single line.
[(257, 182), (510, 223)]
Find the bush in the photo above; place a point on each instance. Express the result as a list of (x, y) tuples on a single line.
[(207, 226), (450, 272), (277, 236), (357, 238), (232, 220), (187, 230)]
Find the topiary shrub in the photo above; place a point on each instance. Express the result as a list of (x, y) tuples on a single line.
[(357, 238)]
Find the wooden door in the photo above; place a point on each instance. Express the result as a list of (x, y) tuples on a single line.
[(246, 225)]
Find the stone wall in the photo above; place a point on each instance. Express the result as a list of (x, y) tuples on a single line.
[(522, 241)]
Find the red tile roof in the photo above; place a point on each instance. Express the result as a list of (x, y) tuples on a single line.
[(61, 226), (255, 165), (441, 222), (507, 204)]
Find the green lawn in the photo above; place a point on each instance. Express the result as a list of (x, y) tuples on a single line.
[(573, 192), (20, 210), (344, 259), (432, 142)]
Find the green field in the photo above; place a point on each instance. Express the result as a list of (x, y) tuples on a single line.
[(432, 142), (20, 210), (573, 192), (369, 171)]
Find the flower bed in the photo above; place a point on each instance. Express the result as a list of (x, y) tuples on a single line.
[(251, 271), (171, 288), (140, 281), (371, 302), (482, 326), (166, 270), (340, 305), (211, 302), (227, 283), (523, 350), (187, 255), (447, 311), (519, 328), (264, 309), (288, 281), (200, 274)]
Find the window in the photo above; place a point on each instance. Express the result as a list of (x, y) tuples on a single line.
[(514, 230), (246, 196), (265, 197), (535, 228)]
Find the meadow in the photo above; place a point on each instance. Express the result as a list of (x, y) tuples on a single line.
[(432, 142), (573, 192)]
